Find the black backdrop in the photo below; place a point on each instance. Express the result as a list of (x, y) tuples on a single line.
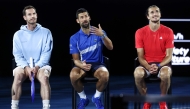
[(119, 18)]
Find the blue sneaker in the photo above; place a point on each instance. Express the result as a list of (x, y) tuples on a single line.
[(97, 102), (83, 103)]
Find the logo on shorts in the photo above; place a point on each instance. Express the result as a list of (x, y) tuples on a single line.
[(160, 37)]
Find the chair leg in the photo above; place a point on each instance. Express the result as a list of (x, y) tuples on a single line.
[(107, 96), (73, 99), (105, 99), (169, 93), (135, 91)]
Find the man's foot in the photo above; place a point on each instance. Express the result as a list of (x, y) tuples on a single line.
[(83, 103), (97, 102), (163, 105), (147, 106)]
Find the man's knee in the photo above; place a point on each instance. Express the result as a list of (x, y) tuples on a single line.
[(43, 77), (104, 75), (76, 73), (18, 77), (165, 72), (18, 71), (139, 73)]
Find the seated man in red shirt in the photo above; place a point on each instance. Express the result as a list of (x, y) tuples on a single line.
[(154, 43)]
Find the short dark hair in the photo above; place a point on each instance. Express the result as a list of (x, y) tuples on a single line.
[(27, 7), (81, 10), (152, 6)]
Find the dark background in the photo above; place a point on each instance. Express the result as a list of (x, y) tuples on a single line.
[(119, 18)]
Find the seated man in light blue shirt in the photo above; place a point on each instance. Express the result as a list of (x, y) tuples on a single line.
[(32, 40), (86, 48)]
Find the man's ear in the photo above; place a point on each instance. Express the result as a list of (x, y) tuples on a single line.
[(77, 20), (24, 17), (147, 17)]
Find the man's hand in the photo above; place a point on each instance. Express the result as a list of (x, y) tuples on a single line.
[(35, 70), (28, 70), (97, 31), (85, 66), (154, 68)]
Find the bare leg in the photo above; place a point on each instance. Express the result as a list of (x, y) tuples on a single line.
[(19, 77), (75, 75), (45, 90), (139, 75), (165, 74), (103, 78)]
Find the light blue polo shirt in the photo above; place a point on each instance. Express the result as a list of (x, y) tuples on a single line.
[(88, 46)]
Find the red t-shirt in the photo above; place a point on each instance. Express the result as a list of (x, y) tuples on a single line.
[(154, 43)]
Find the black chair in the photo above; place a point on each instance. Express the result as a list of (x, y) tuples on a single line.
[(13, 64), (150, 79), (90, 79)]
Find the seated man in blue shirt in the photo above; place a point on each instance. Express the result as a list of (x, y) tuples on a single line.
[(86, 48)]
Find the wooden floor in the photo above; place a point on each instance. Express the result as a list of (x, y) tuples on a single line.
[(61, 91)]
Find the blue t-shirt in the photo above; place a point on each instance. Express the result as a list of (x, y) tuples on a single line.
[(89, 47)]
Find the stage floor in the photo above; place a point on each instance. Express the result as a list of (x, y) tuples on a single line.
[(62, 93)]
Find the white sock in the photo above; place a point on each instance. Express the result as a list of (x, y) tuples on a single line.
[(82, 95), (14, 103), (46, 103), (97, 94)]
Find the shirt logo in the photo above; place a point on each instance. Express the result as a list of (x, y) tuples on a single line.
[(160, 37)]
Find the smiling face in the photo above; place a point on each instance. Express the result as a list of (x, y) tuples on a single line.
[(153, 14)]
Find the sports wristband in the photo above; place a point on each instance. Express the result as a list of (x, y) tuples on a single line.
[(158, 65), (103, 36)]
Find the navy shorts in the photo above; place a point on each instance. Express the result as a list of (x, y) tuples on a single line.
[(94, 67)]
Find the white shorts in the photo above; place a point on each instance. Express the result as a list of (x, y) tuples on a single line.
[(47, 70), (148, 73)]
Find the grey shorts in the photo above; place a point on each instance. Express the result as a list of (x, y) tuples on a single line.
[(158, 74)]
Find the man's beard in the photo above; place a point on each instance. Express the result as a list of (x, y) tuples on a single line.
[(32, 22), (156, 21), (86, 26)]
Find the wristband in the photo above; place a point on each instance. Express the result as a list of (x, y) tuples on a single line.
[(103, 36), (158, 65)]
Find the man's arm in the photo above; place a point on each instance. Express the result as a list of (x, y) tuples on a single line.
[(107, 41), (46, 53), (80, 64), (168, 57), (169, 45), (76, 60), (142, 61), (17, 52)]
